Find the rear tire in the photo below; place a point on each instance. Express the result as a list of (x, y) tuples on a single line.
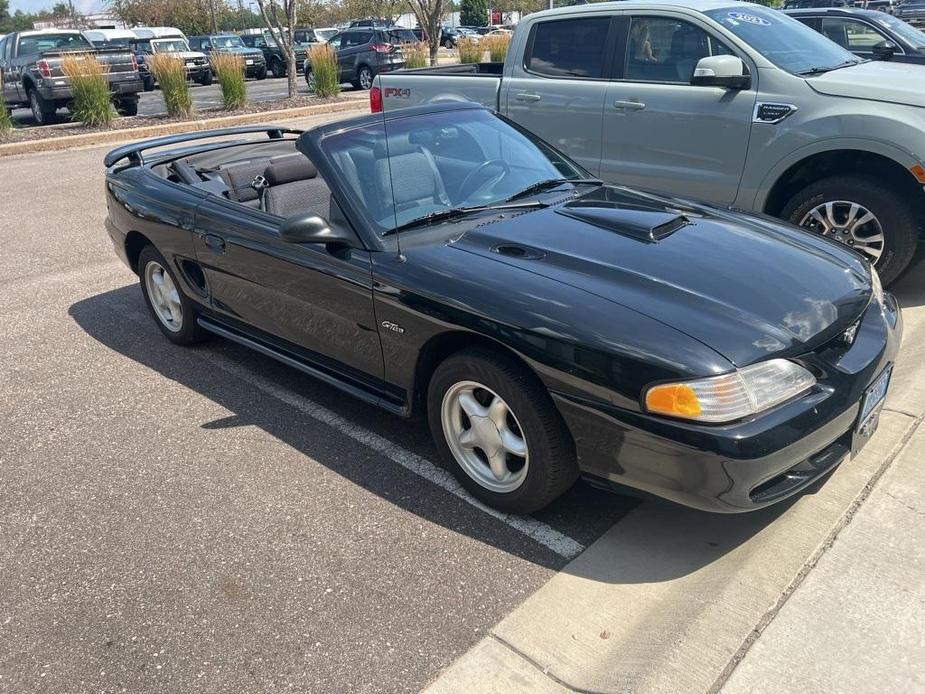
[(44, 112), (894, 219), (206, 79), (278, 69), (510, 394), (365, 77), (148, 83), (128, 107), (262, 73), (172, 311)]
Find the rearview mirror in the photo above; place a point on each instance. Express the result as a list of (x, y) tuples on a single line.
[(883, 50), (727, 71), (311, 228)]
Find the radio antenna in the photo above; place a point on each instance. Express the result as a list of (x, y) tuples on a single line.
[(399, 256)]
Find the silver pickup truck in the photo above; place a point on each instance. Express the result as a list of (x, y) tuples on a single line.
[(728, 102)]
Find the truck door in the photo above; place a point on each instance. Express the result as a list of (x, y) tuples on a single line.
[(557, 91), (660, 132)]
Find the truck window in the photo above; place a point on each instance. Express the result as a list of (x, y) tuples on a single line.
[(568, 47), (851, 34), (52, 42), (661, 49)]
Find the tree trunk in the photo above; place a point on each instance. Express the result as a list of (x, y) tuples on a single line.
[(291, 71)]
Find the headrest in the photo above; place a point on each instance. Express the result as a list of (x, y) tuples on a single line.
[(289, 168)]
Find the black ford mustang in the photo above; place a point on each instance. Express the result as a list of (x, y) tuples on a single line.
[(442, 260)]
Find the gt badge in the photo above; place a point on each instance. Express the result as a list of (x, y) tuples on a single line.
[(394, 327)]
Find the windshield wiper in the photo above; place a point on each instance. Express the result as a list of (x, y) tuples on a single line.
[(552, 183), (821, 70), (453, 212)]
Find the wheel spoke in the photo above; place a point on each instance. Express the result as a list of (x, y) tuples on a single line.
[(512, 443), (872, 251), (819, 218), (467, 439), (858, 223), (830, 214), (852, 213), (868, 240), (498, 465), (497, 413), (470, 405)]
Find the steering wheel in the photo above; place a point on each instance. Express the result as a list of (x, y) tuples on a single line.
[(465, 193)]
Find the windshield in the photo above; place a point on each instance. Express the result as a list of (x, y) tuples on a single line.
[(906, 32), (325, 34), (169, 46), (789, 44), (53, 42), (227, 42), (437, 162), (402, 36), (112, 43)]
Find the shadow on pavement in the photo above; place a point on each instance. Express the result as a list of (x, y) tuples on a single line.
[(688, 541)]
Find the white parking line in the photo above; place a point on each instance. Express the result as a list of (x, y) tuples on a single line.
[(561, 544)]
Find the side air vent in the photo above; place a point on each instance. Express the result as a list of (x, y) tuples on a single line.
[(518, 251)]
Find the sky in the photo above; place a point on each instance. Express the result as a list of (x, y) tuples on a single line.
[(83, 6)]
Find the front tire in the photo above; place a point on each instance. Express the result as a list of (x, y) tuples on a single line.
[(262, 73), (174, 314), (206, 79), (497, 427), (862, 213)]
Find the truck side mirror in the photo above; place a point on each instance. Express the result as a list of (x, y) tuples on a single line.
[(726, 71), (883, 50)]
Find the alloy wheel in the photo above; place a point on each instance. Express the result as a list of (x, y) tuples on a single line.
[(484, 437), (366, 78), (165, 299), (849, 223)]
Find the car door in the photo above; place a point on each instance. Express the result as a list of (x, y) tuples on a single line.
[(660, 132), (318, 302), (8, 92)]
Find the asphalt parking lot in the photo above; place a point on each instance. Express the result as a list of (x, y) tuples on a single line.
[(152, 103), (208, 520)]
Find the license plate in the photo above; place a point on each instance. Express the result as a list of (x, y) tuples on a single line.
[(873, 399), (191, 65), (248, 62)]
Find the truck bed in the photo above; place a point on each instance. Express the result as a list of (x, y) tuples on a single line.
[(478, 82)]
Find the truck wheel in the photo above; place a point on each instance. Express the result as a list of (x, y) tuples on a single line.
[(862, 213), (496, 425), (262, 73), (365, 77), (310, 80), (43, 111), (278, 69), (174, 314), (128, 107), (206, 79), (148, 83)]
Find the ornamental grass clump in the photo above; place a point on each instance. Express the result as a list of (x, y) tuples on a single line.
[(496, 47), (229, 71), (470, 50), (324, 79), (92, 104), (170, 73), (416, 55)]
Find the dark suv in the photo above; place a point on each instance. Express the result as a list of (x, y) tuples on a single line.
[(273, 54), (255, 65), (363, 53)]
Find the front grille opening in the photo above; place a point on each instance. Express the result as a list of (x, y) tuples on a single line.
[(802, 473)]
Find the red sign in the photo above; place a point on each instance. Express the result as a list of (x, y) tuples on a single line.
[(496, 16)]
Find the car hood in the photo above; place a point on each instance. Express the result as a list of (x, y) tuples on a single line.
[(188, 55), (249, 52), (875, 80), (748, 287)]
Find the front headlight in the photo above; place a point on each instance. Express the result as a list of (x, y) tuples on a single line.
[(725, 398), (876, 286)]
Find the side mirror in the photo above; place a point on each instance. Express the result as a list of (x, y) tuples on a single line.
[(883, 50), (311, 228), (727, 71)]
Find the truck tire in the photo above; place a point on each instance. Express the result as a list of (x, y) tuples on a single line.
[(43, 111), (262, 73), (206, 79), (128, 107), (863, 213), (278, 69), (310, 80), (148, 82), (519, 457)]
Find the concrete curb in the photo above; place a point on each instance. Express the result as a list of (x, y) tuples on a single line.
[(103, 137), (668, 599)]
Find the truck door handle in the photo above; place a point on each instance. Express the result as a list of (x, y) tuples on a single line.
[(629, 105), (523, 96), (214, 243)]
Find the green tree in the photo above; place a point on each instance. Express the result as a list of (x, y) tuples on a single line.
[(473, 13)]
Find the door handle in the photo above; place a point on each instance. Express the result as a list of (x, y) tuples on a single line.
[(629, 105), (214, 243), (523, 96)]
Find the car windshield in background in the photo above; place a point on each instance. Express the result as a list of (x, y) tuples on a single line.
[(227, 42), (789, 44), (325, 34), (442, 162), (53, 42), (169, 46), (906, 31)]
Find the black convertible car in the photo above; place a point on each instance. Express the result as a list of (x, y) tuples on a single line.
[(441, 260)]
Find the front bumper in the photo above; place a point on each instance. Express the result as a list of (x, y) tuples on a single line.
[(745, 465)]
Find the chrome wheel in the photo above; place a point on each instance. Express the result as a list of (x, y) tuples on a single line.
[(164, 297), (366, 78), (310, 79), (484, 437), (850, 223)]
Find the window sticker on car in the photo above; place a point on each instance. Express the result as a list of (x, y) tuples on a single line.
[(749, 18)]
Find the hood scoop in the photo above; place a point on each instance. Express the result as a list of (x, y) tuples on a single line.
[(612, 210)]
